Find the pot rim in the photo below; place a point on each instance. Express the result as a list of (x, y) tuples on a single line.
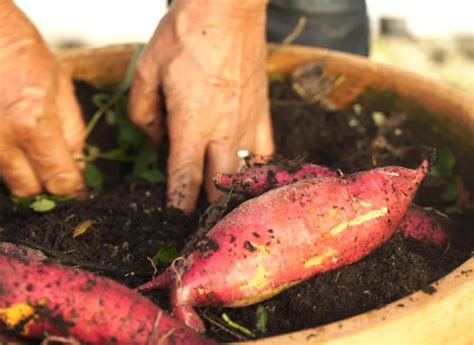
[(438, 318)]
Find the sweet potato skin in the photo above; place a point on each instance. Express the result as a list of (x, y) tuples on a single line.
[(38, 298), (258, 179), (292, 233), (423, 226)]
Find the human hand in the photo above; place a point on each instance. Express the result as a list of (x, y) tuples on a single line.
[(41, 129), (206, 61)]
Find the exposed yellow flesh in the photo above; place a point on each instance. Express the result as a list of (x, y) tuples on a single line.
[(15, 314), (318, 259), (359, 220)]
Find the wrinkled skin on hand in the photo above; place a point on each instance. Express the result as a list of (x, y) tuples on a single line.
[(41, 129), (207, 61)]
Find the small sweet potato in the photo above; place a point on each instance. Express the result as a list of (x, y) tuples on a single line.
[(39, 299), (423, 226), (260, 178), (287, 235)]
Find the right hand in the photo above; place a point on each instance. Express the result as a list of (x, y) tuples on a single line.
[(207, 63), (41, 128)]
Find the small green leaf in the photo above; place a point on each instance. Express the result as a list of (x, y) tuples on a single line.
[(143, 166), (94, 177), (128, 134), (22, 201), (238, 327), (100, 99), (152, 176), (445, 161), (165, 255), (262, 318), (42, 204), (110, 117), (92, 152), (28, 202)]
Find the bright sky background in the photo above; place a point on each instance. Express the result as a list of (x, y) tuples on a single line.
[(99, 22)]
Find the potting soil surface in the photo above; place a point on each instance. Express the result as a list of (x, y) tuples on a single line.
[(132, 223)]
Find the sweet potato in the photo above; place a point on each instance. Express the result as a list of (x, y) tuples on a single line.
[(287, 235), (423, 226), (39, 299), (260, 178)]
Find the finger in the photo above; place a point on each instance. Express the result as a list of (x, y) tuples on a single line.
[(185, 169), (41, 138), (146, 102), (70, 117), (264, 143), (221, 158), (17, 172)]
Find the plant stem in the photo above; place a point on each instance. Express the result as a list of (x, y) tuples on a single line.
[(119, 92)]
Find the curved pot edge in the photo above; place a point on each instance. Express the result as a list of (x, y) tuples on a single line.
[(445, 315), (442, 315)]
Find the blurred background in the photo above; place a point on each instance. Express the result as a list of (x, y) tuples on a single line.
[(434, 38)]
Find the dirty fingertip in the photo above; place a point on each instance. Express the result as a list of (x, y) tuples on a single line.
[(183, 192), (67, 183)]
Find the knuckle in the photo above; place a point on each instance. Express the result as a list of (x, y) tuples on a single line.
[(23, 126)]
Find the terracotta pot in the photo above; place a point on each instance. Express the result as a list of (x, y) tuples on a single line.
[(444, 317)]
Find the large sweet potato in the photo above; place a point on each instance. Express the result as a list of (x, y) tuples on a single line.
[(417, 223), (39, 299), (287, 235)]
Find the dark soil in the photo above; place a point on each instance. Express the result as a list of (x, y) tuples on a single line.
[(132, 222)]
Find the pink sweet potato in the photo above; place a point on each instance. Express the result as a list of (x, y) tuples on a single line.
[(288, 235), (258, 179), (423, 226), (38, 299)]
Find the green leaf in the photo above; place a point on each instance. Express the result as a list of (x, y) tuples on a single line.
[(42, 204), (110, 117), (262, 318), (238, 327), (165, 255), (445, 161), (22, 201), (94, 177), (143, 166), (153, 176), (128, 134), (37, 201), (100, 99)]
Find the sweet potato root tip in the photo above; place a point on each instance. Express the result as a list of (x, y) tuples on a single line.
[(162, 281), (428, 154), (39, 298)]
